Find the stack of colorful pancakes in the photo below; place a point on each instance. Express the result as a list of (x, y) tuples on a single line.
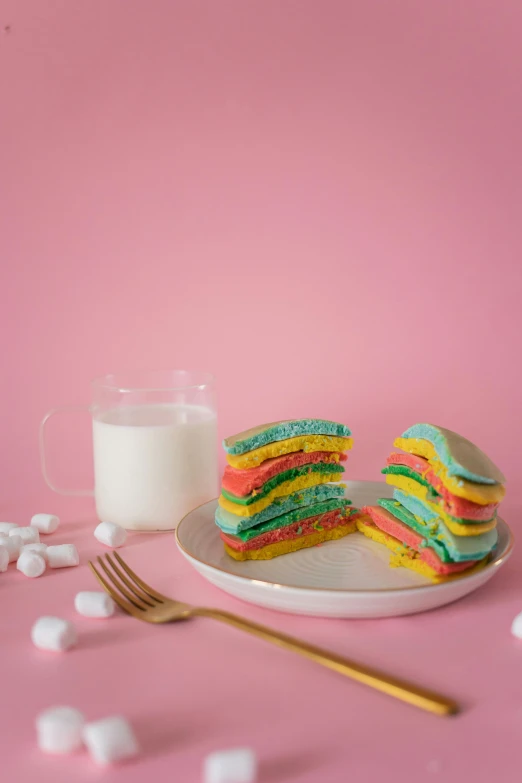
[(281, 489), (443, 515)]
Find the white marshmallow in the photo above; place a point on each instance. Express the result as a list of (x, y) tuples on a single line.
[(31, 564), (94, 604), (46, 523), (53, 633), (29, 535), (13, 544), (231, 766), (110, 740), (40, 549), (5, 527), (110, 534), (59, 730), (516, 626), (62, 556), (4, 558)]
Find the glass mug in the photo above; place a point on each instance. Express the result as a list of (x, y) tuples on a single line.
[(155, 446)]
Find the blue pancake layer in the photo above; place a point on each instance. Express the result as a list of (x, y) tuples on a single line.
[(231, 523), (288, 429), (429, 524), (441, 440)]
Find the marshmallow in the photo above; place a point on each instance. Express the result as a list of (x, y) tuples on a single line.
[(4, 558), (45, 523), (516, 626), (13, 544), (40, 549), (29, 535), (5, 527), (62, 556), (53, 633), (31, 564), (110, 740), (110, 534), (59, 730), (231, 766), (94, 604)]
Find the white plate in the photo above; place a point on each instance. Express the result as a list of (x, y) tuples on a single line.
[(346, 578)]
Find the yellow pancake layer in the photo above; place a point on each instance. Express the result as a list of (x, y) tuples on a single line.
[(412, 487), (287, 487), (284, 547), (404, 557), (300, 443), (483, 494)]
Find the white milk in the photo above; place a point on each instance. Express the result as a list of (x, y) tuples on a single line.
[(153, 464)]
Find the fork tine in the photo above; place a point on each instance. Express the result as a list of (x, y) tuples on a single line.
[(138, 593), (122, 603), (133, 600), (144, 586)]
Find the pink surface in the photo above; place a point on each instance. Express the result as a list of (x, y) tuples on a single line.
[(175, 683), (177, 176)]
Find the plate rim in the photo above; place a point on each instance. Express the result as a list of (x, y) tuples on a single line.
[(492, 565)]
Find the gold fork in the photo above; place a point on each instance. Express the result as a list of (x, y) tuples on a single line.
[(138, 599)]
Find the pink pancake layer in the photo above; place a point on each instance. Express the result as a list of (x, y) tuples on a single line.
[(243, 482), (451, 504), (389, 524), (327, 521)]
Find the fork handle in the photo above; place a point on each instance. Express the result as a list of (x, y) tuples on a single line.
[(393, 686)]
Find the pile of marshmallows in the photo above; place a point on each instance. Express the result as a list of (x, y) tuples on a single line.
[(64, 729), (32, 557), (23, 545)]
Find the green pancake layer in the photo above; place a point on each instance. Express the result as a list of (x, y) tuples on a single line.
[(403, 470), (286, 475), (296, 516), (425, 530)]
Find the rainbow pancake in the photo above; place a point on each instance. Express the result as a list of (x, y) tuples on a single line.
[(299, 529), (231, 522), (252, 447), (459, 456), (452, 504), (443, 516), (415, 484), (462, 468), (254, 438), (407, 546), (436, 534), (281, 490), (243, 482), (285, 483)]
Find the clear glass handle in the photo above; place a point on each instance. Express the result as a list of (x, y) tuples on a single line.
[(43, 461)]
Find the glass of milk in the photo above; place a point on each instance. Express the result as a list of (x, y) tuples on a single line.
[(154, 444)]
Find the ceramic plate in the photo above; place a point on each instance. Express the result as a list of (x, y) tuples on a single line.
[(346, 578)]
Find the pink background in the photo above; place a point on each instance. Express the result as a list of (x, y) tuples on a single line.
[(319, 201)]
